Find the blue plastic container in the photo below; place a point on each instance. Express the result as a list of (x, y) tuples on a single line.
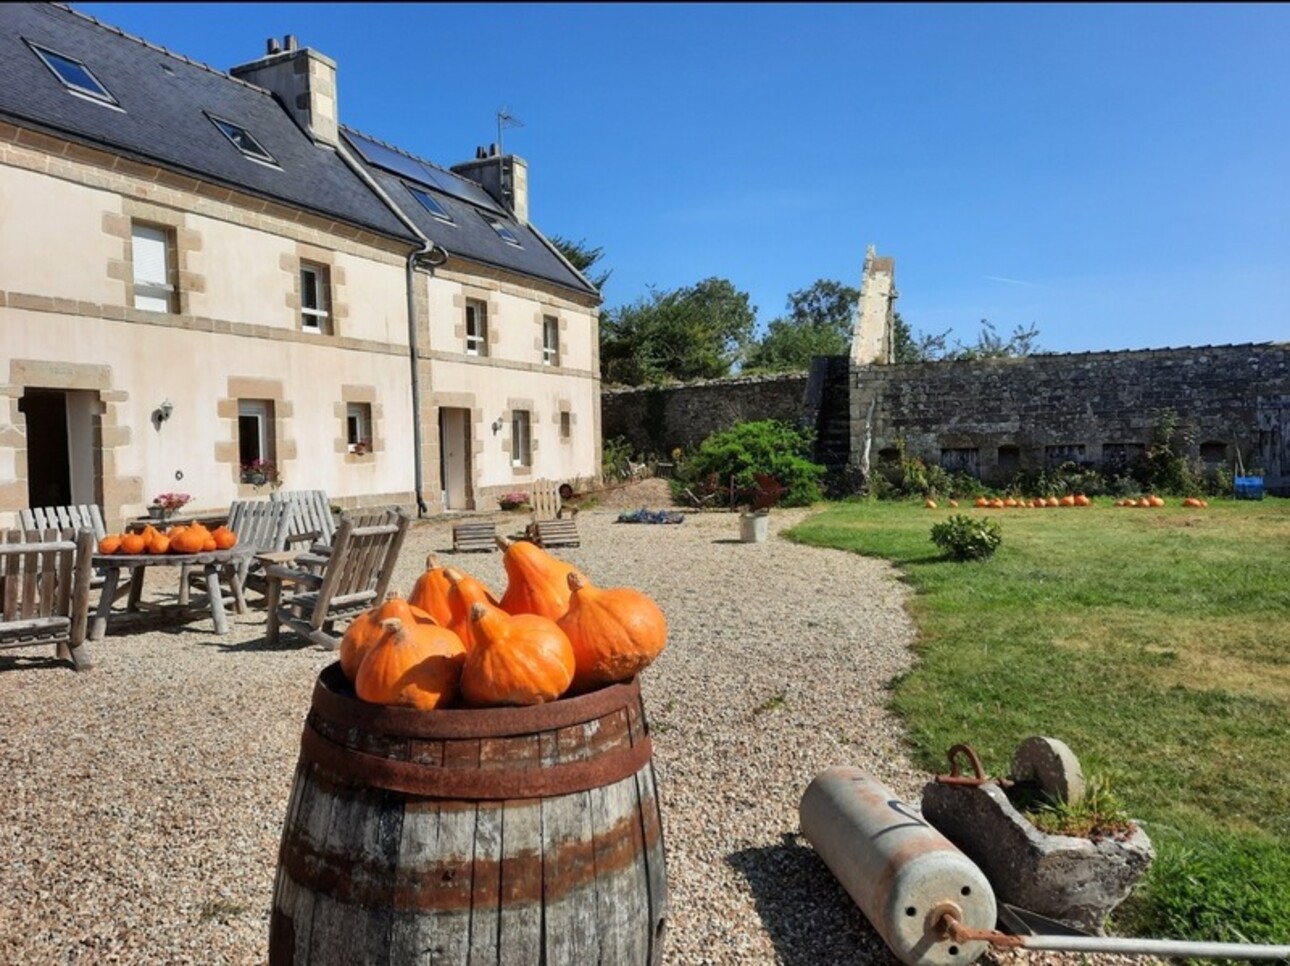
[(1249, 488)]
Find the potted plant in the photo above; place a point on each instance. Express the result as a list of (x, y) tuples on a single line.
[(754, 520), (513, 501), (165, 504), (261, 472)]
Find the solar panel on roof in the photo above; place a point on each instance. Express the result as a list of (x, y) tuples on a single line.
[(378, 154)]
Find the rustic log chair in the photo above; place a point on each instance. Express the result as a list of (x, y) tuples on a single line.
[(550, 526), (45, 590), (262, 526), (340, 585)]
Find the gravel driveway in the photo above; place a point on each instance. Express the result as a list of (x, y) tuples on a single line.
[(143, 801)]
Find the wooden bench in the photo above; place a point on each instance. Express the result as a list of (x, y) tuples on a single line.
[(556, 533), (467, 537)]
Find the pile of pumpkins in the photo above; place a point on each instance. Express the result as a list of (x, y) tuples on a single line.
[(999, 503), (193, 538), (452, 643), (1154, 501)]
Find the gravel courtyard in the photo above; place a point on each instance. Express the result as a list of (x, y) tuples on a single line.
[(143, 801)]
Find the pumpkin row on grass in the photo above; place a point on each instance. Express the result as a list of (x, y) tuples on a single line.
[(453, 642), (195, 538)]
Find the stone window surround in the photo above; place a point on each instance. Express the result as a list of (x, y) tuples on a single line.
[(376, 413), (284, 445), (334, 280), (514, 404), (182, 243), (565, 409), (492, 312), (539, 344)]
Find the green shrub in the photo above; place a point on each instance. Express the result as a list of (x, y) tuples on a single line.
[(738, 454), (967, 538)]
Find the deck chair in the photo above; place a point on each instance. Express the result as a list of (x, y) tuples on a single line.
[(550, 526), (314, 525), (262, 526), (325, 590), (45, 590), (84, 516)]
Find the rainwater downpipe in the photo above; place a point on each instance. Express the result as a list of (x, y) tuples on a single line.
[(431, 256)]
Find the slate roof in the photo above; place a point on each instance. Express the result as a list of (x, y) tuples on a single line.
[(163, 97), (166, 101), (470, 235)]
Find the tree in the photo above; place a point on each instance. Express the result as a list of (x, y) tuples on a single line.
[(820, 323), (696, 332), (582, 258), (989, 344)]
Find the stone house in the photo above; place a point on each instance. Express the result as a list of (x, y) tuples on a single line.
[(203, 271)]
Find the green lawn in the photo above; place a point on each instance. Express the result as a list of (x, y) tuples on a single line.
[(1154, 642)]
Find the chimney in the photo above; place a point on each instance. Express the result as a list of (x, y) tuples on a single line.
[(504, 176), (303, 80)]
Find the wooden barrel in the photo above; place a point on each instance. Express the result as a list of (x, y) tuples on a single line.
[(516, 835)]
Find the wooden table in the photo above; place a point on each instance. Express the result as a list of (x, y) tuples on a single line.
[(137, 565)]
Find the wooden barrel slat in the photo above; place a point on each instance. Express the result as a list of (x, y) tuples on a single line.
[(370, 872)]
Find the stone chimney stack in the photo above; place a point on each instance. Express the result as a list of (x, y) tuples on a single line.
[(505, 177), (873, 342), (303, 79)]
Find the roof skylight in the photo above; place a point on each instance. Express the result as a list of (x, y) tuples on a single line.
[(76, 77), (429, 204), (243, 140), (508, 236)]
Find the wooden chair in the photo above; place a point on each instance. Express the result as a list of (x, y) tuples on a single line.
[(550, 526), (341, 585), (314, 523), (45, 590), (84, 516), (262, 526)]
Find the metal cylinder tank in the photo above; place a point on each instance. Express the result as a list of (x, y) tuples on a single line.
[(902, 873)]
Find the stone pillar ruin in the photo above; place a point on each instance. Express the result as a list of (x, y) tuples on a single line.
[(872, 344)]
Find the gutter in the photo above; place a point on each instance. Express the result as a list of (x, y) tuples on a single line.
[(430, 256)]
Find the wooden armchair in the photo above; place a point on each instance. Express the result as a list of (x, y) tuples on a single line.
[(262, 526), (340, 585), (45, 590), (83, 516), (550, 526), (313, 523)]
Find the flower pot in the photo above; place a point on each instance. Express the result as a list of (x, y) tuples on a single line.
[(754, 527), (157, 512), (256, 479)]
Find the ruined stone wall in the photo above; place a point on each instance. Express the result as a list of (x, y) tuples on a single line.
[(993, 417), (659, 419)]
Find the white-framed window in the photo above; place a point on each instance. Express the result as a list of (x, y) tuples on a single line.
[(358, 427), (476, 328), (150, 252), (566, 425), (550, 340), (315, 298), (521, 438), (255, 444)]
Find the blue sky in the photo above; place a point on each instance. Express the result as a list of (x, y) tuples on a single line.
[(1116, 175)]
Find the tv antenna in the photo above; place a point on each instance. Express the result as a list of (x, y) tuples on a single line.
[(505, 119)]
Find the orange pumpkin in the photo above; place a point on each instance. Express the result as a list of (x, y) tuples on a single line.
[(132, 543), (364, 631), (616, 632), (981, 502), (1155, 500), (1053, 501), (1081, 500), (430, 592), (1067, 500), (415, 665), (954, 504), (187, 540), (996, 503), (157, 543), (930, 504), (225, 539), (110, 544), (536, 581), (521, 660), (464, 592)]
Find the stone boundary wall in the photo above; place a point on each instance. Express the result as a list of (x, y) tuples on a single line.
[(1009, 414), (657, 419)]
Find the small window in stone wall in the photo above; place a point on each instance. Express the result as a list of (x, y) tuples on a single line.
[(1008, 460), (1120, 456), (1055, 456), (1212, 453), (961, 461), (889, 455)]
